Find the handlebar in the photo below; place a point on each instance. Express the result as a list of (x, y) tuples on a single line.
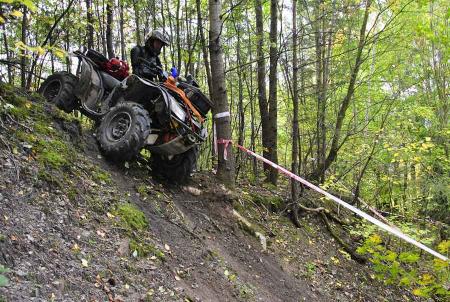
[(153, 67)]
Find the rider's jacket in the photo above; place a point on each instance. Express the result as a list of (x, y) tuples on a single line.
[(141, 69)]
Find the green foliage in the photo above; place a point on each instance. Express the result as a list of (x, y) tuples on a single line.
[(246, 291), (142, 190), (4, 281), (131, 217), (101, 175), (310, 268), (425, 278), (145, 249)]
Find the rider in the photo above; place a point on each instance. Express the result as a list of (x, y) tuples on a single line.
[(154, 42)]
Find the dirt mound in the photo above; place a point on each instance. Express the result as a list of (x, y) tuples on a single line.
[(74, 227)]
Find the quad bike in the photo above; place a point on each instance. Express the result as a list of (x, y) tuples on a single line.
[(131, 113)]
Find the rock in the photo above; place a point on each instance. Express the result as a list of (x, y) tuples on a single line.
[(35, 292), (112, 282), (21, 273), (192, 190), (59, 284), (124, 247)]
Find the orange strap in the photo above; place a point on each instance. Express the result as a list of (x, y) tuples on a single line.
[(170, 83)]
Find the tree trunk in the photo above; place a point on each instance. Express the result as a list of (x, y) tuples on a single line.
[(261, 75), (122, 36), (178, 35), (8, 56), (295, 128), (101, 22), (225, 169), (90, 25), (335, 143), (138, 22), (273, 107), (203, 43), (109, 26), (23, 59)]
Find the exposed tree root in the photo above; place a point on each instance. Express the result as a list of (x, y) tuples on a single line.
[(325, 215), (249, 228), (346, 247)]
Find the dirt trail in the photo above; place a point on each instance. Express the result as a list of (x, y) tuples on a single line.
[(223, 262)]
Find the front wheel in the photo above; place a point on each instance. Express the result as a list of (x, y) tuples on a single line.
[(176, 169), (58, 89), (123, 130)]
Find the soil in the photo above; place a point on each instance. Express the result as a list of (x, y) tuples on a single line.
[(62, 239)]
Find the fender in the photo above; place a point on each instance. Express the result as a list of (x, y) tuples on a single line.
[(140, 90)]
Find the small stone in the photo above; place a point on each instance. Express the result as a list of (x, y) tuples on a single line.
[(112, 282), (35, 292), (124, 247), (21, 273)]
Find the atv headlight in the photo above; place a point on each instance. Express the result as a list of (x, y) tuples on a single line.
[(177, 109)]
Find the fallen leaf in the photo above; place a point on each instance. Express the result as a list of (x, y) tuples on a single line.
[(335, 260), (84, 263), (75, 248)]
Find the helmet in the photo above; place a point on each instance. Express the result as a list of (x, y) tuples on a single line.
[(157, 35)]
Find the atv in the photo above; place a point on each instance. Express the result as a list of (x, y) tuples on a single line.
[(131, 113)]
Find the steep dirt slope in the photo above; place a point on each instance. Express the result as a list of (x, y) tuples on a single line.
[(74, 227)]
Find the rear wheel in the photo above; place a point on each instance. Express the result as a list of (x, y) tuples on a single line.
[(123, 130), (58, 89), (176, 169)]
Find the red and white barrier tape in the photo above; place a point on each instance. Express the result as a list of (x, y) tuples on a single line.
[(355, 210)]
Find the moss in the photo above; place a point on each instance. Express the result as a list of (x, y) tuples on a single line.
[(19, 113), (59, 114), (238, 206), (274, 203), (246, 291), (101, 176), (95, 204), (142, 190), (72, 194), (17, 100), (49, 178), (25, 136), (146, 249), (131, 217), (53, 158), (54, 153), (43, 128)]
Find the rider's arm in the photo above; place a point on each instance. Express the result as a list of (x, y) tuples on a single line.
[(135, 64)]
